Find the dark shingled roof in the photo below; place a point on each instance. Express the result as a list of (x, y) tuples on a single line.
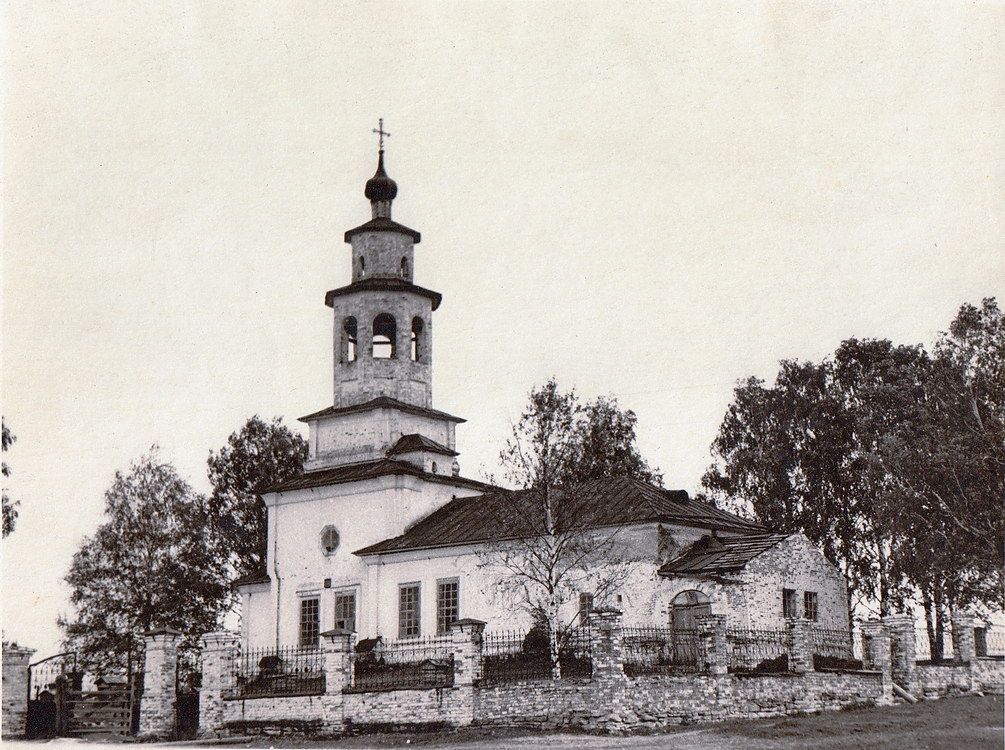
[(505, 514), (416, 442), (383, 284), (252, 578), (369, 470), (382, 402), (710, 555), (384, 224)]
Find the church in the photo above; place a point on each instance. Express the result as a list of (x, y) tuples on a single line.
[(383, 535)]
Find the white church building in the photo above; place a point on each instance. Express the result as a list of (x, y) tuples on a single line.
[(382, 534)]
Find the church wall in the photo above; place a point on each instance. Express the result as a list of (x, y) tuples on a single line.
[(363, 513), (368, 435), (794, 563)]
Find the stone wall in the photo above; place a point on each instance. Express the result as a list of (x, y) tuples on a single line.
[(15, 689), (656, 702), (989, 674), (940, 680), (391, 708)]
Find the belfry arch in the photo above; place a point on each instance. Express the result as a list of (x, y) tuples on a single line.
[(385, 336)]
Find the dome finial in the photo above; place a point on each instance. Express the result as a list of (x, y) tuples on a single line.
[(381, 189)]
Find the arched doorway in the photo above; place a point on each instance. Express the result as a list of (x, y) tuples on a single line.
[(687, 608)]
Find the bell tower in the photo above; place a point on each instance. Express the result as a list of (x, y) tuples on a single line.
[(382, 321), (383, 353)]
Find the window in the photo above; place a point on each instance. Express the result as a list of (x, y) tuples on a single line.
[(329, 540), (585, 607), (345, 610), (789, 608), (408, 610), (416, 332), (362, 265), (447, 603), (384, 333), (349, 339), (434, 467), (810, 605), (309, 623), (404, 268)]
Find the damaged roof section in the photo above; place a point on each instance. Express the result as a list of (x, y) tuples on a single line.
[(369, 470), (713, 554), (506, 514), (416, 442)]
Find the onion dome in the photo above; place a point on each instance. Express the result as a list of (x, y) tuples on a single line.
[(380, 187)]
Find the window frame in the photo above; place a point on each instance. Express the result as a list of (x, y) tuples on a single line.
[(443, 627), (811, 612), (585, 597), (346, 594), (790, 603), (314, 622), (338, 543), (416, 610)]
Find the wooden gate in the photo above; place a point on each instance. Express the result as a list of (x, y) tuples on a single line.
[(107, 710)]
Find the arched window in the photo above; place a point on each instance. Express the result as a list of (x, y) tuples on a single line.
[(416, 331), (349, 339), (362, 265), (404, 268), (687, 608), (384, 333)]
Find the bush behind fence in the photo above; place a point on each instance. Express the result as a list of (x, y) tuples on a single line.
[(511, 655), (408, 663), (287, 670)]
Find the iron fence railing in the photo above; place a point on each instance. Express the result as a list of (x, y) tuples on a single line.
[(511, 655), (663, 650), (757, 650), (832, 642), (408, 663), (287, 670)]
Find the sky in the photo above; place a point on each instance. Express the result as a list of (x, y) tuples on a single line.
[(650, 201)]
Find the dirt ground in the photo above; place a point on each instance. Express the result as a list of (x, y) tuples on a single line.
[(969, 723)]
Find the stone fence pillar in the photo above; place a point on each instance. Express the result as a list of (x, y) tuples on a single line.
[(876, 656), (904, 657), (607, 652), (713, 628), (160, 678), (220, 651), (964, 648), (467, 635), (15, 689), (337, 646), (800, 644)]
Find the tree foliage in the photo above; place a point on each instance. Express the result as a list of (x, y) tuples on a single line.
[(9, 505), (150, 564), (889, 457), (259, 454), (544, 558)]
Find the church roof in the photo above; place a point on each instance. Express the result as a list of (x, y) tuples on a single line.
[(506, 514), (415, 442), (383, 284), (713, 554), (382, 402), (384, 224), (369, 470)]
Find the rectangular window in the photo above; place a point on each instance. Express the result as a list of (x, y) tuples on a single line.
[(789, 606), (447, 603), (345, 611), (408, 610), (309, 623), (810, 605), (585, 607)]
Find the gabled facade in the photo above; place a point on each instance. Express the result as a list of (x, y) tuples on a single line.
[(383, 535)]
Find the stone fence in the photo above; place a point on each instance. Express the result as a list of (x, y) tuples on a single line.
[(609, 700)]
